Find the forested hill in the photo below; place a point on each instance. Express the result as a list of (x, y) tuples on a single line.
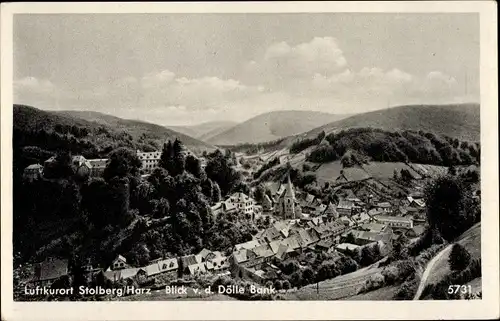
[(359, 145), (138, 128), (40, 133), (460, 121)]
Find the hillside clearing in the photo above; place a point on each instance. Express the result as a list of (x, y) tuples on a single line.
[(343, 286)]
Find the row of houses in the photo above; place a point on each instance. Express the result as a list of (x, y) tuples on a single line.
[(95, 167), (82, 167), (48, 271)]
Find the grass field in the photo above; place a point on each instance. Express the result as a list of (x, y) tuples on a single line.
[(328, 172), (383, 294), (471, 240), (385, 170), (343, 286)]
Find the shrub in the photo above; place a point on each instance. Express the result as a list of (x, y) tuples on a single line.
[(408, 289), (459, 258)]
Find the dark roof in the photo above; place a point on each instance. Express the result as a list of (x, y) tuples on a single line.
[(188, 260), (51, 269)]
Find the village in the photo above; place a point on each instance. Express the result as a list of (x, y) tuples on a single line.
[(294, 223)]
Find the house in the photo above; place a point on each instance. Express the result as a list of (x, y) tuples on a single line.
[(320, 209), (263, 254), (217, 209), (351, 197), (97, 166), (197, 268), (188, 260), (32, 172), (415, 231), (119, 263), (385, 207), (366, 237), (360, 218), (49, 163), (346, 247), (287, 205), (345, 207), (249, 245), (306, 237), (81, 166), (50, 270), (396, 221), (327, 246), (242, 202), (259, 276), (167, 266), (218, 264), (331, 212), (346, 221), (414, 201), (374, 227), (149, 161)]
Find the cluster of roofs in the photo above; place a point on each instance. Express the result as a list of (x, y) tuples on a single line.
[(205, 261), (95, 167), (83, 167)]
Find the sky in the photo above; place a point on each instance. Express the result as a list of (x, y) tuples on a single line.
[(185, 69)]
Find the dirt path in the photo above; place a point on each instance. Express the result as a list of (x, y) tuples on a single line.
[(430, 265), (466, 235)]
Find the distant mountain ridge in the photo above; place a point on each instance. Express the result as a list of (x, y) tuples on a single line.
[(460, 121), (273, 125), (206, 130)]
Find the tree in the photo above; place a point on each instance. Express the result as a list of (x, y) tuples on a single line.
[(286, 285), (179, 158), (219, 170), (161, 208), (278, 285), (193, 166), (296, 278), (167, 155), (367, 256), (399, 248), (350, 238), (216, 193), (61, 166), (123, 162), (459, 258), (259, 193), (448, 202), (308, 276)]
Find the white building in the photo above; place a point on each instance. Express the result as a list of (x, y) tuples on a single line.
[(242, 202), (395, 221), (149, 160)]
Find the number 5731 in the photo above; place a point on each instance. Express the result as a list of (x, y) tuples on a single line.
[(454, 289)]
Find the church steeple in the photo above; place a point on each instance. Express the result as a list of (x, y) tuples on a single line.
[(289, 188)]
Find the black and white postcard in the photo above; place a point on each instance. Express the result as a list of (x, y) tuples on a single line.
[(286, 160)]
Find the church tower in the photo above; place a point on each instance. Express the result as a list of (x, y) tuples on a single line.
[(289, 200)]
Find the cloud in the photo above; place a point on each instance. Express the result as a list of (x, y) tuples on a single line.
[(34, 86), (314, 75)]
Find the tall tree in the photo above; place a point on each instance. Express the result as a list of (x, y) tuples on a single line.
[(167, 155), (448, 206), (123, 162), (193, 166), (179, 158)]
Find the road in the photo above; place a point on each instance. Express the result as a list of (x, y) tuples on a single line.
[(425, 275)]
